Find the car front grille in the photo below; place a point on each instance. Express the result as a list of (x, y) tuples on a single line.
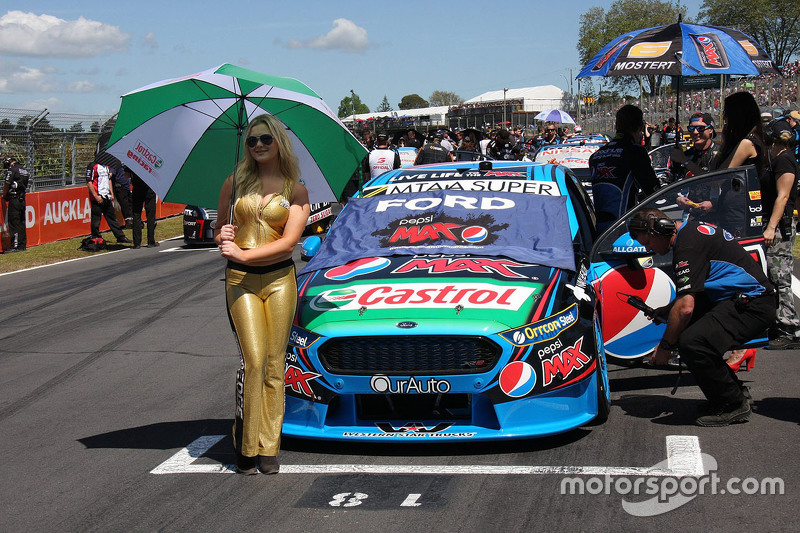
[(409, 354)]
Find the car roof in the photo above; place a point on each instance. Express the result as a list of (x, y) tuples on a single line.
[(503, 176)]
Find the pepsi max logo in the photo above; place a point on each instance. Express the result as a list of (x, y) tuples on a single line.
[(474, 234), (710, 50), (359, 267), (517, 379), (706, 229)]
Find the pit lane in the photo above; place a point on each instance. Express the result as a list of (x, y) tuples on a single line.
[(112, 366)]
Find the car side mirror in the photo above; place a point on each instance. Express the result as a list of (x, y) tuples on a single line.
[(310, 247)]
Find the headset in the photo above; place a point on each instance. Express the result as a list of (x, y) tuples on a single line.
[(773, 131), (653, 225)]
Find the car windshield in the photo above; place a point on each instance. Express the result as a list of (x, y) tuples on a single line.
[(451, 222)]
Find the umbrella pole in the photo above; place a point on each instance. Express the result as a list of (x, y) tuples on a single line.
[(677, 113), (239, 130)]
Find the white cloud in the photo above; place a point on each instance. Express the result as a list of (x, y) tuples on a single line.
[(16, 78), (81, 86), (150, 41), (28, 34), (345, 36)]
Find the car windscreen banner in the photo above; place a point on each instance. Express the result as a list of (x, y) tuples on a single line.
[(523, 227)]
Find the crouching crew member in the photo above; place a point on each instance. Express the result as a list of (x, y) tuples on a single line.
[(723, 300)]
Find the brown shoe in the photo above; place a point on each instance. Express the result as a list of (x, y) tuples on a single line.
[(245, 465), (268, 464)]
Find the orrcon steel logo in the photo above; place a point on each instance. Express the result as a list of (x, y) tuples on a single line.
[(614, 49)]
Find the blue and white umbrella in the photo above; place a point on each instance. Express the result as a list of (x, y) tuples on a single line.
[(555, 115)]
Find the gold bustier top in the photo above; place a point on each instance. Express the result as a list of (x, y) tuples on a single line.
[(259, 223)]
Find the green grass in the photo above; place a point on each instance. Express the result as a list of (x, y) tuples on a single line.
[(53, 252)]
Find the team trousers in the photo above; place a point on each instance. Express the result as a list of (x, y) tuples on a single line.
[(105, 209), (261, 307), (16, 223), (720, 329)]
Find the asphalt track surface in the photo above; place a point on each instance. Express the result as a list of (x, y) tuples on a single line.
[(116, 402)]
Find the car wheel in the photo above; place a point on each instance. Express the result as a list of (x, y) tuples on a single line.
[(601, 375)]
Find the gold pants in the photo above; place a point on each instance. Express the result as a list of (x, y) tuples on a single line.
[(261, 308)]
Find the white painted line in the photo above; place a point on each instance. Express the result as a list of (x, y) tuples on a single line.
[(64, 261), (181, 462), (683, 455), (795, 286), (411, 501), (182, 249), (683, 459)]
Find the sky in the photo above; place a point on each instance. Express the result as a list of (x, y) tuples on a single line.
[(81, 56)]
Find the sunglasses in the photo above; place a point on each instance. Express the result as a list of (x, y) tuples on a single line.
[(698, 129), (551, 130), (266, 139)]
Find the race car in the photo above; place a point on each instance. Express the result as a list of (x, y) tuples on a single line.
[(476, 302), (573, 155), (440, 307), (199, 222)]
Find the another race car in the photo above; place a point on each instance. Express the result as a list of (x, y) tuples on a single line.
[(450, 301), (574, 156), (199, 222)]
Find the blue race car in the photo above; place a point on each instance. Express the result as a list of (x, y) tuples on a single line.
[(451, 301)]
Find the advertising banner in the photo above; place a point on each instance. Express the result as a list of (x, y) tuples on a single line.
[(65, 213)]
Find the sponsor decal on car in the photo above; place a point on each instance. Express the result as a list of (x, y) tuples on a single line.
[(299, 380), (517, 379), (543, 330), (564, 363), (359, 267), (424, 295), (411, 385), (483, 203), (411, 430), (302, 338), (450, 265), (433, 227), (498, 185)]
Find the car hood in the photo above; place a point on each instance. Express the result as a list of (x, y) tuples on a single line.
[(441, 293)]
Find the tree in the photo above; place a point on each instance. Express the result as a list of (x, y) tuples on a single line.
[(412, 101), (598, 27), (76, 128), (384, 105), (775, 24), (438, 98), (352, 105)]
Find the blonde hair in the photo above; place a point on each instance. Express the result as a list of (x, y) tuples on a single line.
[(247, 181)]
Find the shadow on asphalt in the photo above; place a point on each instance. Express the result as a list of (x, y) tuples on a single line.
[(785, 409), (660, 409), (172, 435)]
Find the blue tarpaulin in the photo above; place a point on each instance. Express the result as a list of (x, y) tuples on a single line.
[(527, 228)]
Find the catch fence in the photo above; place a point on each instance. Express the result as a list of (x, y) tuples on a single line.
[(56, 148), (774, 94)]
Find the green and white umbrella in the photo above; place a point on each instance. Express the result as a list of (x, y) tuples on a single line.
[(183, 136)]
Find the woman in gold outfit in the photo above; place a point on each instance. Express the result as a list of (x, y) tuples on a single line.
[(269, 215)]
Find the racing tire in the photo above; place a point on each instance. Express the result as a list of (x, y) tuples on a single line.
[(603, 396)]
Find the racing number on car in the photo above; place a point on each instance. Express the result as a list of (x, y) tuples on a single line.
[(348, 499)]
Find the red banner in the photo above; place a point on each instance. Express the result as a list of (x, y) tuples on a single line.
[(65, 213)]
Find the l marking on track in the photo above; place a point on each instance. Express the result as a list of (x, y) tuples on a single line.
[(683, 460)]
